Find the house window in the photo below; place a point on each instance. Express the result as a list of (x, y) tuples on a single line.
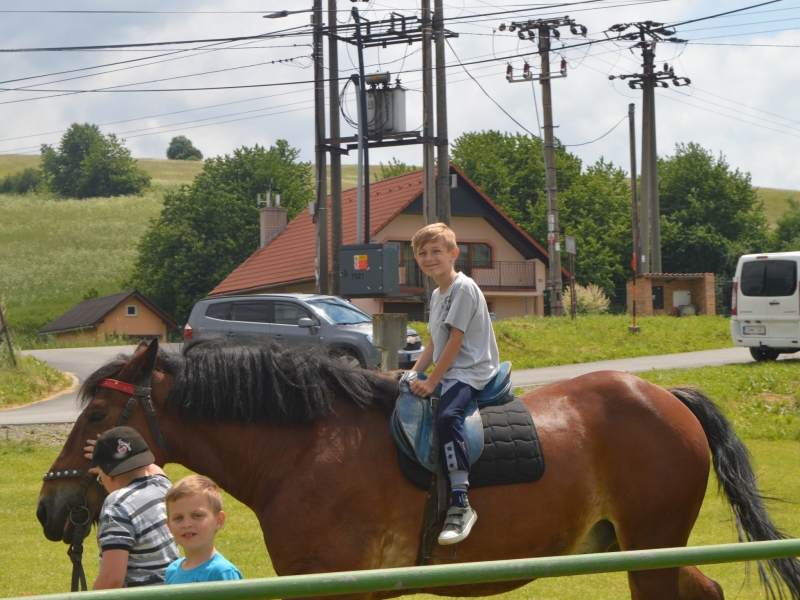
[(130, 310)]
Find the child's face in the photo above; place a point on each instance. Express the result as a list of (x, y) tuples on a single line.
[(435, 259), (192, 522)]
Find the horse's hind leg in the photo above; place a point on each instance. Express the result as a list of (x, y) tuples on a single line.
[(696, 586)]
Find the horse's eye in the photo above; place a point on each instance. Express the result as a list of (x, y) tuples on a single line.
[(96, 417)]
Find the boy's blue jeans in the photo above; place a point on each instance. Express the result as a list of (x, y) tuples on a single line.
[(452, 436)]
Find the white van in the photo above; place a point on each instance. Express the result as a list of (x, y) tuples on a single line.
[(765, 308)]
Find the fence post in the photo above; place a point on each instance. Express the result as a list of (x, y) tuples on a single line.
[(389, 333)]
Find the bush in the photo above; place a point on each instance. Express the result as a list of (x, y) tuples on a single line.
[(591, 300), (89, 164), (181, 148), (22, 182)]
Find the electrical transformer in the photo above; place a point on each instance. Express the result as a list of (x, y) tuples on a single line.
[(386, 110)]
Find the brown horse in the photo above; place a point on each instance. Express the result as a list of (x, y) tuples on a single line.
[(304, 442)]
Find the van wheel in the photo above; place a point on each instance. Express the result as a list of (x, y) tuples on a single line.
[(763, 354), (348, 357)]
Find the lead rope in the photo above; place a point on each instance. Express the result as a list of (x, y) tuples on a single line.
[(77, 505)]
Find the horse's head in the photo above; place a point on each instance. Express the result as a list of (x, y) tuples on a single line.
[(105, 407)]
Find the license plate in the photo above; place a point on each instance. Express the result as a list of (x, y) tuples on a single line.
[(754, 330)]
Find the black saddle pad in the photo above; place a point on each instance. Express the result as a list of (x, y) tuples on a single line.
[(511, 450)]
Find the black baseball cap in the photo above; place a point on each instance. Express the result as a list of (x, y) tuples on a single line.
[(121, 449)]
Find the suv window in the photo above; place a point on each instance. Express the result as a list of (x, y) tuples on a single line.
[(219, 310), (251, 311), (769, 278), (287, 313)]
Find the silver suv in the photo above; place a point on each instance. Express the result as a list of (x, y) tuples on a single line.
[(296, 319)]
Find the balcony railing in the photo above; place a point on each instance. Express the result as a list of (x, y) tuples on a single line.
[(495, 275)]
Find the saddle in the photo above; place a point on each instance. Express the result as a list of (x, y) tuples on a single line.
[(413, 423)]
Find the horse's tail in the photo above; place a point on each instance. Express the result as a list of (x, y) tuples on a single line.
[(736, 479)]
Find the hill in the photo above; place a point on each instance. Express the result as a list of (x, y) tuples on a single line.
[(55, 251)]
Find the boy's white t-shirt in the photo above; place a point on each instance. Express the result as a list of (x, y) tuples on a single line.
[(463, 306)]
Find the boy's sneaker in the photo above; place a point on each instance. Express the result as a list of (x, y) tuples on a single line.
[(457, 525)]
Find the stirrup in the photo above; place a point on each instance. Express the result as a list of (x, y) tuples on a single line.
[(457, 525)]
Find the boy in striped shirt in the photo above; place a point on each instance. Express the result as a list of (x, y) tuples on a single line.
[(136, 546)]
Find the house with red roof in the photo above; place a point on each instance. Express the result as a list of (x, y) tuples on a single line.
[(508, 264)]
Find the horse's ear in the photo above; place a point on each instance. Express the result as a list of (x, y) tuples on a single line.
[(143, 361)]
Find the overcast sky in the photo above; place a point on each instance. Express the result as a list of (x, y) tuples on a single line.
[(742, 100)]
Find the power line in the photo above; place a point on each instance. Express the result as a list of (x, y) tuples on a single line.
[(598, 139), (487, 93)]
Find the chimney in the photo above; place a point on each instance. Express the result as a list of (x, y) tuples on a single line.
[(273, 221)]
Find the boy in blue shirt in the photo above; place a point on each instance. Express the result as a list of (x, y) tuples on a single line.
[(464, 350), (194, 515)]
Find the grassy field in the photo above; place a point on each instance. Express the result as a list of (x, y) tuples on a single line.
[(30, 381), (31, 565), (533, 342), (775, 203)]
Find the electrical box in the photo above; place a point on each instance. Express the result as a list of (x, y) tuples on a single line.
[(369, 270), (681, 298)]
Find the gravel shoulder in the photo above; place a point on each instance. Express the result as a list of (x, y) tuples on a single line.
[(53, 434)]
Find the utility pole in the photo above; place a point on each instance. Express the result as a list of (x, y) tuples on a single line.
[(4, 332), (442, 143), (544, 28), (637, 247), (335, 148), (428, 180), (321, 208), (646, 34)]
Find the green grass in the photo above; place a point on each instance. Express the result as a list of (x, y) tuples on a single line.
[(775, 203), (533, 342), (29, 381)]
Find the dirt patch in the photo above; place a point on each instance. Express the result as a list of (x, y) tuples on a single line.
[(770, 398), (49, 435)]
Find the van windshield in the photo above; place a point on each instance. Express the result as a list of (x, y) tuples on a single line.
[(340, 312)]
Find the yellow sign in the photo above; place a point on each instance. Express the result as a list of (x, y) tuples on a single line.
[(360, 262)]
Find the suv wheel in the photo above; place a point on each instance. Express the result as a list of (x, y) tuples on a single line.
[(763, 354), (348, 357)]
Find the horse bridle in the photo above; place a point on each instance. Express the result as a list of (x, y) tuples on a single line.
[(77, 504)]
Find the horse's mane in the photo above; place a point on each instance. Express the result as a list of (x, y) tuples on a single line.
[(267, 383)]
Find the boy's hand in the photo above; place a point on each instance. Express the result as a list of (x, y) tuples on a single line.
[(89, 451), (422, 387)]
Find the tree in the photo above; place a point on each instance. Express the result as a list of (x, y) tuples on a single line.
[(787, 234), (181, 148), (395, 168), (89, 164), (710, 214), (208, 229), (510, 169)]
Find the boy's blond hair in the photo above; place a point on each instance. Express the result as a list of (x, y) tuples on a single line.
[(196, 484), (433, 233)]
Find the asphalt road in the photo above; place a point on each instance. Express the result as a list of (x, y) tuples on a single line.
[(82, 362)]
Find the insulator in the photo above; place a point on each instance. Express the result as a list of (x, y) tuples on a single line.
[(563, 64), (584, 30), (573, 30), (502, 27), (526, 69), (512, 28), (556, 34), (521, 34)]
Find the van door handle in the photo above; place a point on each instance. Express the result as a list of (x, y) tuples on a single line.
[(774, 302)]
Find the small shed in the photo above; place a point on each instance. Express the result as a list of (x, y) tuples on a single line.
[(125, 314), (674, 294)]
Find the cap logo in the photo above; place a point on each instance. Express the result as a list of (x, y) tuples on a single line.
[(123, 446)]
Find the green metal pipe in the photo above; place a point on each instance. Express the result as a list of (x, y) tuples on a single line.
[(352, 582)]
